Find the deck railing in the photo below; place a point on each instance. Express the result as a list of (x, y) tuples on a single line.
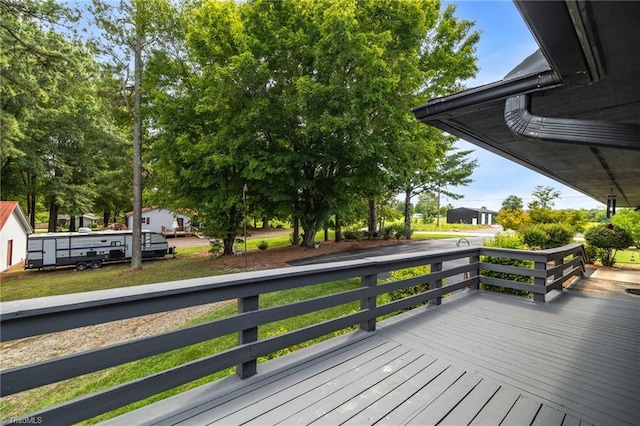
[(449, 271)]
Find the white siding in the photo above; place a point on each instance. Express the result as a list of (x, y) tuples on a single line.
[(12, 231), (157, 218)]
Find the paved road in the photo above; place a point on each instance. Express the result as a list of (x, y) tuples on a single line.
[(476, 238)]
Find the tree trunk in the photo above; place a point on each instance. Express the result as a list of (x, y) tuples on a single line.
[(338, 236), (136, 252), (105, 217), (72, 223), (265, 222), (438, 213), (407, 212), (80, 221), (228, 244), (296, 232), (309, 240), (53, 217), (326, 233), (31, 207), (373, 217)]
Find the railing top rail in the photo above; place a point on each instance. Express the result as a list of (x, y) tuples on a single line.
[(100, 298), (115, 296)]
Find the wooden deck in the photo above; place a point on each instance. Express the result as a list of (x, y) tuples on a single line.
[(478, 359)]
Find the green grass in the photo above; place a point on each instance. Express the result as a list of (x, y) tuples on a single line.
[(191, 262), (630, 256)]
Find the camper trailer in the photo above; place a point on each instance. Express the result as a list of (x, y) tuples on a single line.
[(86, 249)]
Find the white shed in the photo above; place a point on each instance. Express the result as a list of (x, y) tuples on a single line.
[(14, 228), (154, 219)]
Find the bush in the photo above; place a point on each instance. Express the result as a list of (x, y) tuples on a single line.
[(513, 241), (609, 238), (352, 234), (216, 248), (402, 274), (263, 245), (545, 236), (397, 231), (593, 253)]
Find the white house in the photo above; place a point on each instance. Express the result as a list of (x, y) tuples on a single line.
[(154, 219), (14, 228)]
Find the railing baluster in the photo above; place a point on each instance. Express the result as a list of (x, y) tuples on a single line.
[(369, 302), (437, 267), (249, 368)]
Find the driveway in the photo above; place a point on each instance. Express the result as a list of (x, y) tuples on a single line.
[(473, 238)]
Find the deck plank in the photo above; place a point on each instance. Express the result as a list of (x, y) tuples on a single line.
[(476, 359), (523, 412), (341, 388), (497, 408), (470, 406), (240, 410)]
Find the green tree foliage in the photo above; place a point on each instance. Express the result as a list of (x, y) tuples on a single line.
[(629, 220), (64, 127), (513, 219), (609, 239), (511, 203), (544, 197), (306, 102)]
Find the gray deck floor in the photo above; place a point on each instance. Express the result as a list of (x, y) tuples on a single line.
[(477, 359)]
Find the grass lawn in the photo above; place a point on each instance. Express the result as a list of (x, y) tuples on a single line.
[(630, 256)]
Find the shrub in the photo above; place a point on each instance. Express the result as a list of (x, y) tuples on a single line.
[(263, 245), (216, 248), (352, 234), (609, 238), (513, 241), (402, 274), (592, 253), (397, 231), (546, 236)]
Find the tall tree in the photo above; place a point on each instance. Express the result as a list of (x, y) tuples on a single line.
[(512, 202), (306, 102), (128, 28), (544, 197), (455, 169)]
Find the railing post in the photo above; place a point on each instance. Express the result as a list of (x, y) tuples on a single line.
[(369, 302), (476, 272), (540, 282), (437, 267), (249, 368)]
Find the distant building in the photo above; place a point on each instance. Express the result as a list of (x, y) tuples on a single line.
[(88, 220), (14, 229), (159, 220), (471, 216)]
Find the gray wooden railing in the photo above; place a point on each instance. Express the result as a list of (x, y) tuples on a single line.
[(449, 271)]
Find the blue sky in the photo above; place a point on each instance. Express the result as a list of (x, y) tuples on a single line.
[(505, 41)]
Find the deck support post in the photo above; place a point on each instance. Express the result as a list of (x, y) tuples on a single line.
[(540, 282), (436, 267), (249, 368), (369, 302)]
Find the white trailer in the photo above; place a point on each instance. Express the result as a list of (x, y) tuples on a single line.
[(88, 249)]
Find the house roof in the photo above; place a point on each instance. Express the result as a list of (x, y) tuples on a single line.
[(6, 210), (474, 209), (570, 111), (147, 209)]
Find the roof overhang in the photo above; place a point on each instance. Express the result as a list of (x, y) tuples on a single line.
[(570, 111)]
